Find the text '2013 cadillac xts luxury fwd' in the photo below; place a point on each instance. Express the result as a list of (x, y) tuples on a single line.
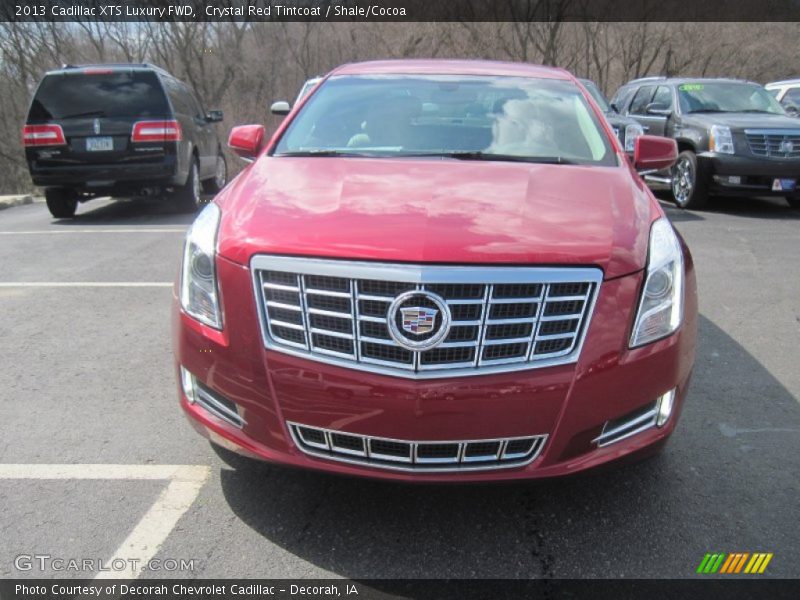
[(437, 271)]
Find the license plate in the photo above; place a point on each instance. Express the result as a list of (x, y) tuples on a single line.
[(784, 185), (99, 144)]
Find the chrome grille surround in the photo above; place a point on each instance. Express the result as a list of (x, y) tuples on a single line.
[(767, 142), (502, 318), (420, 456)]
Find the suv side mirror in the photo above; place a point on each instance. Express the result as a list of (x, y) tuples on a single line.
[(281, 107), (614, 107), (653, 153), (246, 140), (792, 110), (214, 116), (658, 109)]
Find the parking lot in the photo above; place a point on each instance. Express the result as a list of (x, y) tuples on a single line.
[(87, 380)]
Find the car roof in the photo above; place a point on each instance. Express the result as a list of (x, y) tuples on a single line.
[(451, 67), (678, 80), (68, 68), (795, 81)]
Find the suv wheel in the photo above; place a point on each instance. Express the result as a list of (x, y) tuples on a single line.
[(216, 183), (61, 202), (689, 182), (189, 195), (794, 201)]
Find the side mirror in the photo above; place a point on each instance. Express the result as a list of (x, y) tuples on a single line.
[(246, 140), (614, 107), (281, 107), (214, 116), (654, 153), (792, 110), (658, 109)]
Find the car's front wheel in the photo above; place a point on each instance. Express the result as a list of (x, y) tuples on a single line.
[(61, 202), (689, 182), (189, 195), (216, 183)]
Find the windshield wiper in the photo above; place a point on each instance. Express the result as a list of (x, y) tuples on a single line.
[(489, 156), (323, 153), (88, 113), (708, 110), (757, 110)]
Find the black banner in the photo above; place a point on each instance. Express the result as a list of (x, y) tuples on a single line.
[(400, 10), (380, 589)]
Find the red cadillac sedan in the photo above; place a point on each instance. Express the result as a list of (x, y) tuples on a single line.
[(437, 271)]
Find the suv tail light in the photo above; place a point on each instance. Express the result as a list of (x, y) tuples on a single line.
[(43, 135), (156, 131)]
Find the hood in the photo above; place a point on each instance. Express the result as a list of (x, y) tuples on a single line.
[(745, 120), (617, 120), (438, 211)]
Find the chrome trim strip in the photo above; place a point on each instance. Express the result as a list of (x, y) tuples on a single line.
[(628, 429), (420, 276), (459, 464), (212, 405)]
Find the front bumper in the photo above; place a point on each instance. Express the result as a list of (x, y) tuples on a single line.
[(568, 403), (756, 174)]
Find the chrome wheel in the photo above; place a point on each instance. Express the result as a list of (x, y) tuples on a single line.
[(221, 176), (682, 181), (196, 186)]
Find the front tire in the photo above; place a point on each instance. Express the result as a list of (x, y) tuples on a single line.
[(188, 196), (61, 202), (689, 182), (216, 183)]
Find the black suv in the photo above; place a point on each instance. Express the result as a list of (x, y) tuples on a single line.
[(734, 138), (120, 130), (625, 128)]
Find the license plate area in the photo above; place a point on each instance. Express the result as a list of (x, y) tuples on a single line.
[(784, 185), (99, 144)]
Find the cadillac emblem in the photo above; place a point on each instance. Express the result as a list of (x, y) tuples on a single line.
[(787, 146), (418, 320)]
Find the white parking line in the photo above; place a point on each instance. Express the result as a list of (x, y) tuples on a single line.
[(92, 284), (144, 541), (60, 231)]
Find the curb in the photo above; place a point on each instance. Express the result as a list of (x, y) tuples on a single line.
[(9, 201)]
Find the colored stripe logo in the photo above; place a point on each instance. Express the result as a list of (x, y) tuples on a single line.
[(736, 562)]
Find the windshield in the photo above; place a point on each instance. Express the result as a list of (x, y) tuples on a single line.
[(116, 94), (482, 118), (597, 95), (726, 97)]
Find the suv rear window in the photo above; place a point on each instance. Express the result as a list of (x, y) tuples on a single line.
[(117, 94)]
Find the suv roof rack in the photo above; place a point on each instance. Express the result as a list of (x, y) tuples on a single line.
[(144, 65)]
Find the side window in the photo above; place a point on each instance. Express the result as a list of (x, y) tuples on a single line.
[(179, 98), (198, 108), (663, 97), (621, 98), (792, 97), (641, 100)]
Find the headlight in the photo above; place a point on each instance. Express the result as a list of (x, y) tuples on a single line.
[(199, 292), (721, 139), (632, 131), (661, 305)]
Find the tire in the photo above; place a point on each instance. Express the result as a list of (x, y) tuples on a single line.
[(216, 183), (189, 196), (794, 201), (61, 202), (689, 182)]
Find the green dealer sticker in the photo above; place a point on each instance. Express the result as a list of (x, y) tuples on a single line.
[(691, 87)]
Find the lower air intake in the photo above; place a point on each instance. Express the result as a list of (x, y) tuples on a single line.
[(433, 456)]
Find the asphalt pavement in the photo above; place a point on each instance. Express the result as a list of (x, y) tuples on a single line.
[(86, 378)]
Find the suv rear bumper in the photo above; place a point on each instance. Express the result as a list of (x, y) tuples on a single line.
[(103, 177), (756, 174)]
